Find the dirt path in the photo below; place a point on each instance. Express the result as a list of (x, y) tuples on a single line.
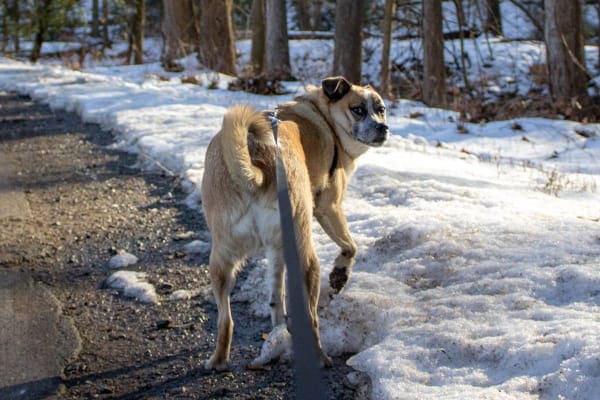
[(87, 202)]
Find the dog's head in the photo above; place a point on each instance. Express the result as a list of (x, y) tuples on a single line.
[(358, 114)]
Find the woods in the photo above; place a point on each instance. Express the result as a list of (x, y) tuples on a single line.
[(437, 71)]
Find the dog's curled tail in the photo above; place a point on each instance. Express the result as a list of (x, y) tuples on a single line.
[(239, 123)]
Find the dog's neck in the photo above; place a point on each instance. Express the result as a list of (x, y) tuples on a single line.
[(344, 143)]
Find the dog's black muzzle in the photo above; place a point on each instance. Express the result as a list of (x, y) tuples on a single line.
[(383, 133)]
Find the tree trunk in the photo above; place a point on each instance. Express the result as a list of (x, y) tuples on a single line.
[(598, 32), (385, 78), (493, 22), (460, 12), (565, 53), (105, 36), (179, 29), (303, 10), (434, 73), (95, 19), (257, 54), (138, 32), (216, 41), (315, 15), (277, 53), (42, 14), (17, 26), (4, 27), (347, 57)]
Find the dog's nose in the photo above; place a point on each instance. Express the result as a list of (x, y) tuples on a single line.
[(381, 127)]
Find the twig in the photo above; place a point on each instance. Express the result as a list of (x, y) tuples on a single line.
[(158, 163)]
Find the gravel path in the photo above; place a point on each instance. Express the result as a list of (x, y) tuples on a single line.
[(89, 202)]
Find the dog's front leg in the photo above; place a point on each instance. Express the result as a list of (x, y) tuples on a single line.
[(332, 219)]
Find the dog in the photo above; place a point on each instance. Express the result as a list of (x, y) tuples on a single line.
[(321, 134)]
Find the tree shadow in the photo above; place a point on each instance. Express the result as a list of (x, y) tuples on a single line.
[(32, 390)]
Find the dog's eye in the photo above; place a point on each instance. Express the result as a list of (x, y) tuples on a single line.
[(381, 110), (358, 111)]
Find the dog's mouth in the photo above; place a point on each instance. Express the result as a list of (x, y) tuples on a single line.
[(375, 135), (380, 141), (377, 140)]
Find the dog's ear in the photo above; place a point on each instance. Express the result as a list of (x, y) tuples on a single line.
[(335, 87)]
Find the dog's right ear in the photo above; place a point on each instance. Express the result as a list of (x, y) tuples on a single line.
[(335, 87)]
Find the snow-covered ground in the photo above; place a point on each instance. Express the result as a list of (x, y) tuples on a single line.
[(478, 274)]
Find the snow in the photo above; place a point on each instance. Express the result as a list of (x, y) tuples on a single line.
[(477, 273), (197, 246), (277, 346), (180, 294), (122, 260), (133, 284)]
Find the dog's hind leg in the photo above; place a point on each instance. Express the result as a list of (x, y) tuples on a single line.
[(313, 288), (222, 274), (277, 274), (311, 269)]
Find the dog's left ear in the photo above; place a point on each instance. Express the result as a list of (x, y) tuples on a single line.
[(335, 87)]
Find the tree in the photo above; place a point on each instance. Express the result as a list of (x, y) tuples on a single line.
[(216, 48), (105, 37), (17, 24), (140, 22), (95, 19), (136, 37), (316, 19), (385, 77), (179, 30), (303, 14), (5, 11), (257, 53), (563, 35), (41, 19), (277, 53), (347, 57), (434, 73), (493, 21), (597, 6)]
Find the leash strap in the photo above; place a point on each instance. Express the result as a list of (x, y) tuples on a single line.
[(306, 359)]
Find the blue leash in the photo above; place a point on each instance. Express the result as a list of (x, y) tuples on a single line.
[(306, 359)]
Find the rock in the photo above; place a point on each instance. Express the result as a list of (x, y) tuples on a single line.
[(164, 324)]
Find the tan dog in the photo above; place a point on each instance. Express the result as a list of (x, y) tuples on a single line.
[(321, 134)]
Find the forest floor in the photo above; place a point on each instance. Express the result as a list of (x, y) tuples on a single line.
[(89, 202)]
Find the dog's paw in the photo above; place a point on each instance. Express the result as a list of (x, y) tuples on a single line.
[(216, 363), (338, 278)]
